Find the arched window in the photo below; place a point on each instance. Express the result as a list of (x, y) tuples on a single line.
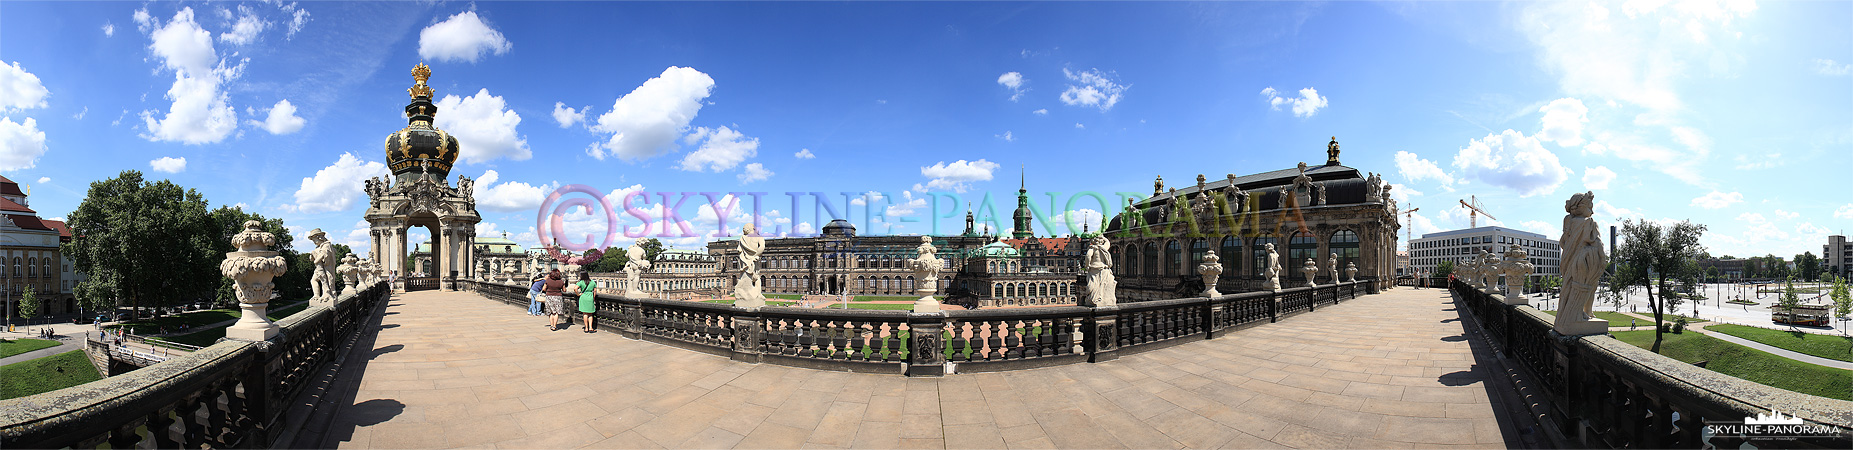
[(1345, 244), (1010, 290), (1261, 253), (996, 291), (1174, 257), (1231, 253), (1302, 246), (45, 267), (1151, 258), (1131, 261), (1197, 248)]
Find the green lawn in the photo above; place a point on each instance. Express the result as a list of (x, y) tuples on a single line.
[(1617, 319), (768, 303), (172, 323), (207, 337), (1749, 364), (10, 347), (46, 374), (1825, 346)]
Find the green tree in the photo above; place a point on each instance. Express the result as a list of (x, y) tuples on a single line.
[(1613, 292), (612, 261), (1789, 299), (153, 241), (1445, 268), (228, 221), (1660, 253), (1809, 266), (1843, 301), (28, 303)]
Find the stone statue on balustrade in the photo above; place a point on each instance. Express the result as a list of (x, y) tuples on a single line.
[(1331, 264), (1311, 269), (350, 272), (322, 280), (1272, 281), (926, 269), (1582, 266), (251, 268), (1098, 262), (1517, 268), (638, 260), (1489, 270), (1211, 269), (1351, 271)]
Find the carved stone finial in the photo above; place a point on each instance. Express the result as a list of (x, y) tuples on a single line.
[(251, 269), (1158, 186), (1331, 152)]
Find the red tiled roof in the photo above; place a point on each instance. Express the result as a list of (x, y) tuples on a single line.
[(8, 187), (64, 231), (27, 222), (9, 205)]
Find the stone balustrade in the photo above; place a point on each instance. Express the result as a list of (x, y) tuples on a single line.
[(235, 393), (954, 341), (1596, 391)]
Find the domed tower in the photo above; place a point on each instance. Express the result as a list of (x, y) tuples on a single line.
[(418, 194), (420, 151)]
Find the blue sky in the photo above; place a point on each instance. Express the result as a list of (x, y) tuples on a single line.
[(1732, 114)]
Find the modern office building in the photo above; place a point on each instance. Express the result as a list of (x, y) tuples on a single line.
[(1432, 249), (1837, 256)]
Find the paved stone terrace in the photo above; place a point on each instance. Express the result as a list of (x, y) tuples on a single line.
[(450, 369)]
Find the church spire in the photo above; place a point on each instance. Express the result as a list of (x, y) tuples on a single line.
[(1021, 219)]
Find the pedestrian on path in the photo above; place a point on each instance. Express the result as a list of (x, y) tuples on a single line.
[(556, 306), (587, 293), (534, 294)]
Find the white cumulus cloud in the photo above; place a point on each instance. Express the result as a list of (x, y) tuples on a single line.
[(804, 154), (1598, 177), (1540, 227), (200, 113), (1563, 122), (1415, 169), (1845, 212), (754, 172), (1041, 112), (335, 187), (1715, 200), (462, 37), (246, 29), (484, 127), (1514, 161), (1308, 103), (1092, 88), (109, 29), (21, 144), (1007, 137), (509, 196), (1013, 81), (1831, 68), (168, 164), (646, 122), (19, 89), (956, 175), (282, 119), (721, 149), (568, 116)]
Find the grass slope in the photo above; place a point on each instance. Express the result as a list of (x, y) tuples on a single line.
[(1749, 364), (10, 347), (46, 374), (1825, 346), (209, 336)]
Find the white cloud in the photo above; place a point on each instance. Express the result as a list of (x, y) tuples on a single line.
[(144, 21), (721, 149), (1014, 81), (484, 127), (246, 29), (1514, 161), (335, 187), (1416, 169), (1007, 137), (646, 122), (43, 180), (168, 164), (1402, 193), (19, 89), (1419, 224), (956, 175), (804, 154), (1831, 68), (462, 37), (1598, 177), (109, 29), (1715, 200), (754, 172), (80, 114), (200, 113), (568, 116), (1786, 214), (359, 238), (298, 18), (905, 207), (866, 197), (1041, 112), (1563, 122), (282, 119), (1097, 89), (510, 196), (1308, 103), (1615, 214), (1845, 212), (21, 144), (1079, 126), (1540, 227)]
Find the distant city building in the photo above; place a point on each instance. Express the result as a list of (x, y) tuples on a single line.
[(1837, 256), (1308, 212), (29, 255), (1458, 246), (1402, 264), (1727, 268), (675, 274), (1000, 274), (493, 255)]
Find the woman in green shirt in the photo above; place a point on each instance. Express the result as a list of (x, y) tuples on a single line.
[(586, 295)]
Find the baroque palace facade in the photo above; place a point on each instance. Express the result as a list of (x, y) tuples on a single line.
[(1308, 212)]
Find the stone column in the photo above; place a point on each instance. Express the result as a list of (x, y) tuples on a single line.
[(1103, 343), (252, 268), (926, 348)]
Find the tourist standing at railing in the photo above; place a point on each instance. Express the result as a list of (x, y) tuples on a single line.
[(556, 306), (534, 294), (586, 306)]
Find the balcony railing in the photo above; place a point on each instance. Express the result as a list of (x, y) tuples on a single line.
[(232, 394), (902, 342), (1600, 392)]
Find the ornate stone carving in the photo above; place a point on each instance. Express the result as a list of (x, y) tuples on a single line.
[(1101, 287), (637, 261), (350, 272), (1517, 266), (322, 281), (1158, 186), (1272, 281), (1331, 264), (1373, 188), (1211, 269), (747, 292), (251, 269), (926, 267), (1351, 271), (1311, 269), (1582, 266), (1319, 192)]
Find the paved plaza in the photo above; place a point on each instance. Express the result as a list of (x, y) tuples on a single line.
[(451, 369)]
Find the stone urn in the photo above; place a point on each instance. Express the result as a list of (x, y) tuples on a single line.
[(1211, 269), (251, 269), (350, 272), (1311, 269), (1351, 271)]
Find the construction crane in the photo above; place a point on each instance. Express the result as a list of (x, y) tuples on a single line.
[(1474, 211), (1409, 225)]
